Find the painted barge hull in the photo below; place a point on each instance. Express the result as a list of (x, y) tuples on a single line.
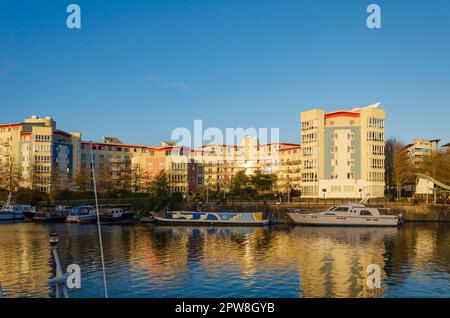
[(213, 218), (166, 221)]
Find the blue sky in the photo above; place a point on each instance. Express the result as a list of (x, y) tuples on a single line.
[(138, 69)]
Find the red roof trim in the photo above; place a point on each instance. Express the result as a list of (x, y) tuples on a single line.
[(342, 114), (62, 133), (222, 145), (87, 143), (279, 144), (10, 125), (293, 148), (97, 144)]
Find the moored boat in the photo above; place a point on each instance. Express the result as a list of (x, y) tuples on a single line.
[(50, 214), (213, 218), (11, 211), (82, 214), (116, 216), (350, 214)]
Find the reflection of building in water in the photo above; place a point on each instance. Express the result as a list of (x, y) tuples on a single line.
[(420, 245), (333, 261), (162, 254), (25, 261), (424, 247)]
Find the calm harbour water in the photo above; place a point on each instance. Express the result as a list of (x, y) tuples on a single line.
[(151, 261)]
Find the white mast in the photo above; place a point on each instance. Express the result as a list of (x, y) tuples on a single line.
[(9, 200), (98, 221)]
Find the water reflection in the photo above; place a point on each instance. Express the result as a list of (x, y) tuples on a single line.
[(151, 261)]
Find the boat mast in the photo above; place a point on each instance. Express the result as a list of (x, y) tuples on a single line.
[(8, 202), (98, 221)]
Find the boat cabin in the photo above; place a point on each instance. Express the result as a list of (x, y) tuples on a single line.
[(113, 212), (82, 210), (352, 208), (16, 208)]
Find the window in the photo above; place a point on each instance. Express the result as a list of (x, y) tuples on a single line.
[(341, 209), (365, 212)]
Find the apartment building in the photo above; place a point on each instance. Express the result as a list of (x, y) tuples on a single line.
[(132, 167), (421, 149), (38, 154), (343, 153), (289, 173), (283, 160), (48, 159), (218, 164), (221, 163)]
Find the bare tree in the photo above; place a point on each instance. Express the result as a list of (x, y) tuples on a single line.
[(82, 180), (10, 175), (437, 165), (388, 162), (137, 179), (104, 175), (402, 167)]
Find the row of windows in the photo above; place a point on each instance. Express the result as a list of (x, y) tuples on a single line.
[(310, 164), (43, 169), (179, 165), (118, 149), (375, 136), (374, 122), (310, 124), (178, 178), (42, 138), (42, 179), (376, 163), (376, 150), (5, 139), (376, 176), (310, 190), (310, 151), (42, 159), (8, 129), (178, 189), (309, 177), (309, 138), (42, 148)]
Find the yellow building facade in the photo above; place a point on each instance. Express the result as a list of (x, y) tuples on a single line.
[(343, 153)]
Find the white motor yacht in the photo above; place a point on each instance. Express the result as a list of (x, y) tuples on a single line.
[(350, 214)]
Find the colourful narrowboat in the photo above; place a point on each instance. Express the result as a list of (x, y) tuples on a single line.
[(213, 218)]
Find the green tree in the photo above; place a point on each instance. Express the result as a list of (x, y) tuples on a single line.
[(160, 187), (159, 193), (262, 182), (240, 182)]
